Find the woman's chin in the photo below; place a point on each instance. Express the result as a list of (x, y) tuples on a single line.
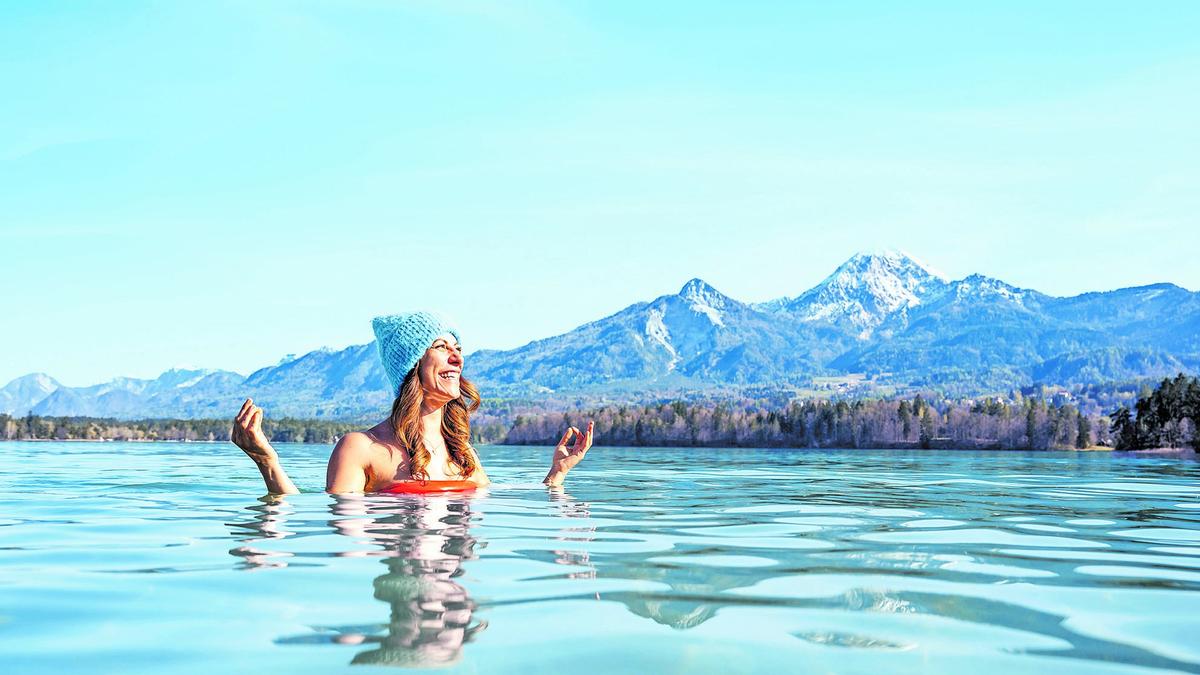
[(445, 392)]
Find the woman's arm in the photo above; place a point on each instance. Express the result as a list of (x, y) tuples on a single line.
[(566, 457), (248, 435)]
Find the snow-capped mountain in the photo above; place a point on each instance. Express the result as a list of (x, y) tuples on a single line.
[(882, 314), (20, 395), (326, 383), (864, 292), (982, 288), (174, 393), (695, 335), (705, 299), (978, 325)]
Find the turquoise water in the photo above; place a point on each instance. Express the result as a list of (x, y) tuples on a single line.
[(162, 558)]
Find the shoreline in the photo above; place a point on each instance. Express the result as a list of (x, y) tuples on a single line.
[(1160, 452), (114, 440), (1183, 453)]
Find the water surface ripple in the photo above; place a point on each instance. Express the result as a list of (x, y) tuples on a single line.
[(166, 558)]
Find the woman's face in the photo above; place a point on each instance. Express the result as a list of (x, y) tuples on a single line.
[(440, 370)]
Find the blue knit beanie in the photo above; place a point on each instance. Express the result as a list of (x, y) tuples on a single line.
[(403, 338)]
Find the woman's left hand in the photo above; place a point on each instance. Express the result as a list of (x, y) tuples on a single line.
[(566, 457)]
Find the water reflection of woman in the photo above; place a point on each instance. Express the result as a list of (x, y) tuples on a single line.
[(424, 543), (427, 435)]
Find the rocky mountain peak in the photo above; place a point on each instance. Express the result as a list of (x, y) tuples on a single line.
[(866, 289), (887, 263), (981, 286), (698, 290), (705, 299)]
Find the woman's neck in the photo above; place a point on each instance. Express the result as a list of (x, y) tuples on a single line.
[(431, 420)]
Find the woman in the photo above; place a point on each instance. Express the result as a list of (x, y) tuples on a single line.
[(426, 438)]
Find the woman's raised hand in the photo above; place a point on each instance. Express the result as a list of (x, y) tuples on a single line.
[(567, 454), (248, 435)]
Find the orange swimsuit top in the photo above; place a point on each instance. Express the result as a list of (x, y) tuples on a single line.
[(426, 487)]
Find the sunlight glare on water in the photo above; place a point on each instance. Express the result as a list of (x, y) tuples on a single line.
[(165, 558)]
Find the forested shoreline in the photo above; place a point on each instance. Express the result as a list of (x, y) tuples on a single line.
[(887, 424), (1165, 417), (989, 423), (286, 430)]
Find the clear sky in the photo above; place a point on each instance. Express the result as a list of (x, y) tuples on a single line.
[(218, 184)]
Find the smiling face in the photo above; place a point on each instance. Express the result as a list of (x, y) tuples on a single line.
[(440, 370)]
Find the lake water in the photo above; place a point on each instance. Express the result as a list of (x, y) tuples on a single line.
[(162, 558)]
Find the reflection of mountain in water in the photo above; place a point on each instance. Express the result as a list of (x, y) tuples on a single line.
[(681, 614), (695, 592), (699, 577)]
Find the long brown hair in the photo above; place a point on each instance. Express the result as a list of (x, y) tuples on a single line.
[(456, 425)]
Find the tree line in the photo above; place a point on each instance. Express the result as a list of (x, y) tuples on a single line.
[(1167, 417), (285, 430), (989, 423)]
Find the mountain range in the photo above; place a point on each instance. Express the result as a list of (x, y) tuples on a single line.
[(885, 316)]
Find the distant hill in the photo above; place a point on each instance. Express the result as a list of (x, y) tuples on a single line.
[(175, 393), (886, 316)]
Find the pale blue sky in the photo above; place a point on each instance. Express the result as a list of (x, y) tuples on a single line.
[(218, 184)]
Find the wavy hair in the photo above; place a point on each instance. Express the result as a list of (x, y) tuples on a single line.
[(456, 425)]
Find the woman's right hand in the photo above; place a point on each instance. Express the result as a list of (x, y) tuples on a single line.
[(566, 457), (248, 435)]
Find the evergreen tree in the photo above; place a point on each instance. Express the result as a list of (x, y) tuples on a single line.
[(927, 428), (1123, 430), (905, 419), (1030, 426), (1083, 437)]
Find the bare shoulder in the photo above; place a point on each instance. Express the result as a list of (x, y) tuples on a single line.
[(356, 439), (480, 477), (349, 463), (354, 447)]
